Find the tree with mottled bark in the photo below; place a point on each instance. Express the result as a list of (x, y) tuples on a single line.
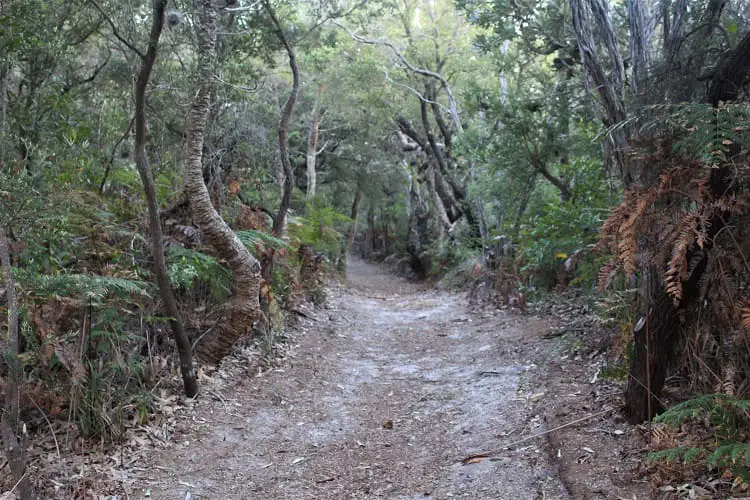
[(242, 310)]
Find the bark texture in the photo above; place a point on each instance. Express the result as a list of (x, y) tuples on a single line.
[(243, 308), (184, 349), (14, 451), (286, 115), (312, 147), (587, 15)]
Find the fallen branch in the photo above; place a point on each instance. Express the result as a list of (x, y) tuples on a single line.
[(478, 457)]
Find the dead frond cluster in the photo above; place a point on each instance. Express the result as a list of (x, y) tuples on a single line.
[(689, 227)]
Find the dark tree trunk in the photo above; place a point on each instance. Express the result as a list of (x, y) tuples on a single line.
[(157, 245), (286, 115), (417, 230), (355, 219), (729, 79), (654, 343), (370, 235), (14, 451)]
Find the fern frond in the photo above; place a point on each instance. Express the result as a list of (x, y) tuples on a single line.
[(730, 454), (606, 273), (745, 315), (627, 246), (258, 241), (677, 268), (685, 454), (692, 408), (186, 265), (611, 226), (89, 286)]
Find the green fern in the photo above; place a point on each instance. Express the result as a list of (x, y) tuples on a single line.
[(726, 415), (690, 409), (321, 228), (94, 288), (259, 242), (185, 267), (685, 454), (730, 455)]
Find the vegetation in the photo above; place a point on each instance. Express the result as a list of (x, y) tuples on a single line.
[(194, 167)]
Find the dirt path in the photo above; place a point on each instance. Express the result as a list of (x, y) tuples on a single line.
[(384, 396)]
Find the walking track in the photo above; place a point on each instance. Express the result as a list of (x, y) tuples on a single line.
[(386, 394)]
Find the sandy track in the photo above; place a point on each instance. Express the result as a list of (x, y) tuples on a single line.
[(386, 393)]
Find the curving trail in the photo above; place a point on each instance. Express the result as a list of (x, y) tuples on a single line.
[(385, 395)]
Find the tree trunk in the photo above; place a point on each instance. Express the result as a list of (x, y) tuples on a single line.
[(370, 235), (355, 219), (652, 346), (312, 147), (728, 80), (14, 451), (286, 115), (244, 306), (4, 76), (654, 343), (184, 349), (417, 229), (588, 14), (639, 40), (522, 206), (561, 186)]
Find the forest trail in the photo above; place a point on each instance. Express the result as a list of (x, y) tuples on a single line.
[(384, 396)]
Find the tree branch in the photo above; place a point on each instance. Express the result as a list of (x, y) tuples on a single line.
[(115, 32), (453, 107)]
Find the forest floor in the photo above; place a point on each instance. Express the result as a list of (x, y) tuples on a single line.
[(396, 390)]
